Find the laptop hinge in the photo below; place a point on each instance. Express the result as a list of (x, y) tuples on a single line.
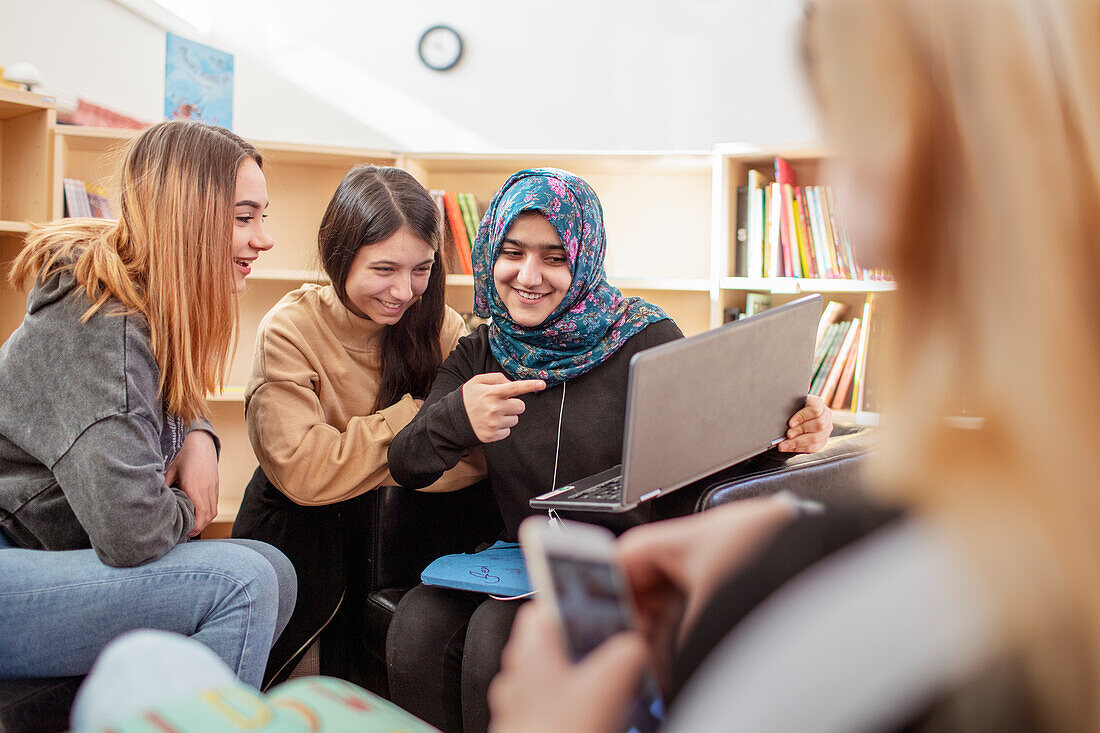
[(650, 495)]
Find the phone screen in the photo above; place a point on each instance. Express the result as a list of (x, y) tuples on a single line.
[(590, 597), (589, 602)]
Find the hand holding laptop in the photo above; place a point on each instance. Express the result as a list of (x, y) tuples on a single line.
[(809, 428), (492, 403)]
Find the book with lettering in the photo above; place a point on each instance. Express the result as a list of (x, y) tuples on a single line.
[(741, 233)]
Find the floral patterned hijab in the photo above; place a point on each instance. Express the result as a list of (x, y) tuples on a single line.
[(593, 320)]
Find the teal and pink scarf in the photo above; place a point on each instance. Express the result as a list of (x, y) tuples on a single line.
[(593, 320)]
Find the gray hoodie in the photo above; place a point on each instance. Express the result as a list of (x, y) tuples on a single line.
[(84, 436)]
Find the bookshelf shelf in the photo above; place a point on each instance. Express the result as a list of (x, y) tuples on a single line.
[(297, 277), (230, 394), (696, 285), (14, 227), (790, 285)]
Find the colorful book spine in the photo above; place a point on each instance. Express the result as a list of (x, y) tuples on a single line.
[(458, 230), (468, 205), (776, 267), (833, 378), (829, 315), (822, 351), (754, 226), (841, 332), (858, 379), (844, 386)]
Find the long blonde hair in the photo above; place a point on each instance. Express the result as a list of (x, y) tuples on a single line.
[(168, 257), (982, 118)]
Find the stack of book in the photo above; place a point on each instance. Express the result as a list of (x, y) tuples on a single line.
[(840, 358), (459, 218), (787, 230)]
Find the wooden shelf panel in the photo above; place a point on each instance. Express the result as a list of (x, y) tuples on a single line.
[(14, 227), (14, 102), (694, 285), (806, 285), (580, 162)]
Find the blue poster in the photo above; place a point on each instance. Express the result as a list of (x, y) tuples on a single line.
[(198, 82)]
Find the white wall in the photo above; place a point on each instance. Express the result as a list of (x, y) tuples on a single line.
[(572, 74)]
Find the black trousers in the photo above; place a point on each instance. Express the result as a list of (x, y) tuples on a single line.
[(443, 650)]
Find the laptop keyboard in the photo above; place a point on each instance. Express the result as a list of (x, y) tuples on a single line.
[(604, 491)]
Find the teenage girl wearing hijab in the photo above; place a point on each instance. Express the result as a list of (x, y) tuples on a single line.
[(542, 390)]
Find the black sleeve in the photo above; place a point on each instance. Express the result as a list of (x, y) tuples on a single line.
[(440, 434)]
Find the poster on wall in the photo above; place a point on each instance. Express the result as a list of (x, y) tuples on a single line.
[(198, 82)]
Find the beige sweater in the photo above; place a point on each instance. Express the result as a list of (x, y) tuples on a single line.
[(308, 403)]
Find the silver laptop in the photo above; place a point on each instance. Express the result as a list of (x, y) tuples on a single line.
[(697, 405)]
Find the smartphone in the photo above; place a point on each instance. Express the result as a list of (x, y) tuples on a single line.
[(573, 567)]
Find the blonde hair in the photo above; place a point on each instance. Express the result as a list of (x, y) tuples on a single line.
[(168, 257), (984, 118)]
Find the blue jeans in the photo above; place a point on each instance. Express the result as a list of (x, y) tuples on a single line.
[(58, 609)]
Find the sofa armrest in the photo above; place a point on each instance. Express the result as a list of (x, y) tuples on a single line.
[(833, 474)]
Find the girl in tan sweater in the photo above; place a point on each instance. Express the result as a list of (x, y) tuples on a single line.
[(338, 371)]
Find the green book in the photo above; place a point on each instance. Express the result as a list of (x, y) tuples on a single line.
[(467, 204), (830, 357)]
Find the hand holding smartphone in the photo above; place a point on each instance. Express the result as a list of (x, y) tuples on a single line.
[(573, 567)]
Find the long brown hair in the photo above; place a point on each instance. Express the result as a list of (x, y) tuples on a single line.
[(982, 118), (370, 205), (167, 257)]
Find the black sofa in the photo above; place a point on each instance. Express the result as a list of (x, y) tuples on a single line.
[(405, 530)]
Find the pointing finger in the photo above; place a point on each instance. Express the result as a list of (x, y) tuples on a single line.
[(521, 386)]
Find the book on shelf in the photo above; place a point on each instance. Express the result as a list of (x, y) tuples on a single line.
[(827, 348), (830, 314), (457, 227), (844, 385), (754, 225), (757, 303), (792, 230), (468, 206), (97, 198), (452, 262), (741, 235), (868, 372), (77, 203), (832, 380), (85, 199)]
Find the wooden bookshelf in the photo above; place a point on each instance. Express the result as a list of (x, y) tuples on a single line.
[(670, 216), (731, 166)]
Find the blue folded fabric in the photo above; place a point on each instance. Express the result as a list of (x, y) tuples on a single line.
[(498, 570)]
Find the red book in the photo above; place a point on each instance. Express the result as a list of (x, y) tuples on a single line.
[(458, 230), (787, 180), (846, 376)]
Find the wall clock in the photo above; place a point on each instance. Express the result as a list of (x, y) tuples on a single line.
[(440, 47)]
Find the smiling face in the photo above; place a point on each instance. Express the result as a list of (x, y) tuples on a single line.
[(387, 277), (250, 237), (532, 271)]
